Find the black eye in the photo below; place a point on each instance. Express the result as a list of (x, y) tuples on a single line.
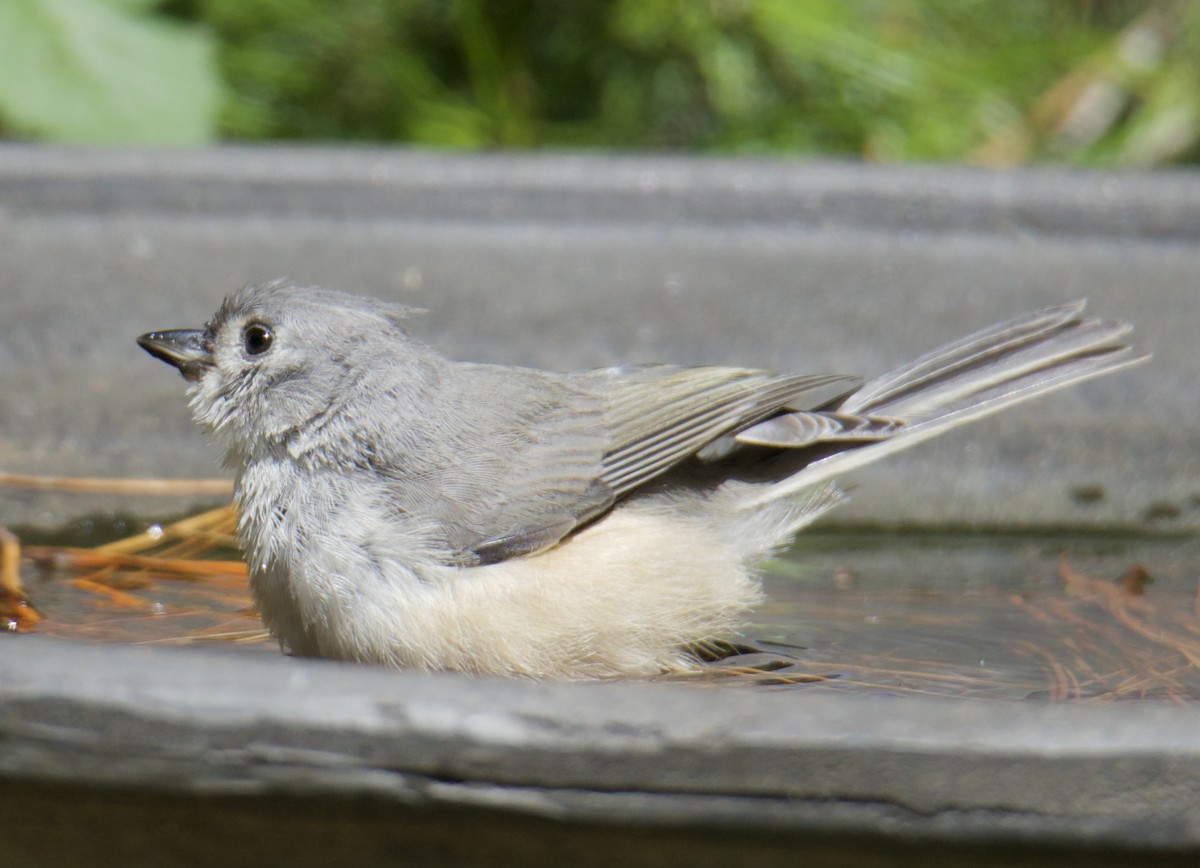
[(256, 338)]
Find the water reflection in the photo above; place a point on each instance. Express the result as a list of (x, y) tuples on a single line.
[(983, 617), (968, 615)]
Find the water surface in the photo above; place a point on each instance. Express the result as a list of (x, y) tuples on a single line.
[(1009, 617)]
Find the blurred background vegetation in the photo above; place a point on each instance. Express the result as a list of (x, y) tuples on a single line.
[(997, 83)]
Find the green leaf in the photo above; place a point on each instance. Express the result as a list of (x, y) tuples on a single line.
[(96, 71)]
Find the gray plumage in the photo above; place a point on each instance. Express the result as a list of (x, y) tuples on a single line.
[(401, 508)]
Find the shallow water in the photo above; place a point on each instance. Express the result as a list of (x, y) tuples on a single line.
[(988, 616), (1006, 617)]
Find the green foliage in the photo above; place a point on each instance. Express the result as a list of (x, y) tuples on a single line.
[(104, 71), (1087, 81), (463, 74), (900, 80)]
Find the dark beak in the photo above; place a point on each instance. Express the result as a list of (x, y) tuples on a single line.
[(186, 349)]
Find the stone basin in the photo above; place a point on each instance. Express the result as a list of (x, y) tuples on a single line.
[(119, 755)]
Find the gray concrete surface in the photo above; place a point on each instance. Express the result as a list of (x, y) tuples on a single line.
[(570, 261), (151, 757)]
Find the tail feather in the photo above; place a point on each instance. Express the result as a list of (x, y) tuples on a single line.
[(963, 381), (965, 351), (1037, 338)]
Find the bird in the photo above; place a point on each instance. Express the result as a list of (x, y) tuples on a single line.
[(397, 507)]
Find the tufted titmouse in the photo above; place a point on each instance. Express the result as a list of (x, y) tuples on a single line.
[(397, 507)]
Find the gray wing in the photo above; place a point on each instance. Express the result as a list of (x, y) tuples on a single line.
[(658, 415), (501, 462), (573, 445), (595, 436)]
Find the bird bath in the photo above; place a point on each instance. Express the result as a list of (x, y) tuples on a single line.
[(972, 613)]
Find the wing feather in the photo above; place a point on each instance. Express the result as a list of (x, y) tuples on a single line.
[(659, 415)]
